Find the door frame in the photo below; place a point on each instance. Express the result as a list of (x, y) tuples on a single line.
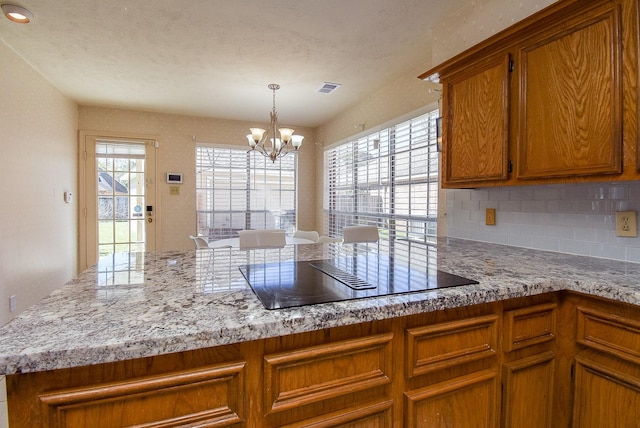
[(87, 166)]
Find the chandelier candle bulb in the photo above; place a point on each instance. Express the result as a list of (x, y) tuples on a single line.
[(296, 141), (251, 141), (256, 134), (285, 134)]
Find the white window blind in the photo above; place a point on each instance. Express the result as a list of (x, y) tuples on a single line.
[(389, 179), (236, 190)]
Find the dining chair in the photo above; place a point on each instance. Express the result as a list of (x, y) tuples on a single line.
[(222, 243), (311, 235), (324, 239), (360, 234), (199, 241), (268, 238)]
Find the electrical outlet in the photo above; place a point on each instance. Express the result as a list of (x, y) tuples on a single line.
[(490, 217), (12, 303), (626, 223)]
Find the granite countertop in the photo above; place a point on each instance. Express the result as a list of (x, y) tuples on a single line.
[(145, 304)]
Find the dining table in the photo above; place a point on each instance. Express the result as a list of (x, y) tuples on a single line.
[(235, 242)]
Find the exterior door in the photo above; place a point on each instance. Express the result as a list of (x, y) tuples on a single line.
[(118, 206)]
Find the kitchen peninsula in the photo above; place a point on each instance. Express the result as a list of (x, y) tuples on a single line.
[(179, 338)]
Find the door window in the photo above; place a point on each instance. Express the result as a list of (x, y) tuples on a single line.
[(120, 169)]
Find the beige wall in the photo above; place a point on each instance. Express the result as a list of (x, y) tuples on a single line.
[(397, 99), (471, 24), (178, 136), (477, 21), (38, 230)]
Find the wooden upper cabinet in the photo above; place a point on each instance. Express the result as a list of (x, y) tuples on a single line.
[(476, 121), (552, 99), (570, 107)]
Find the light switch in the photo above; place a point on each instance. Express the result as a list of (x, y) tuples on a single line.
[(490, 217)]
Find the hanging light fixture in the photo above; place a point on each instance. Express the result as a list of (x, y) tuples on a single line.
[(275, 142)]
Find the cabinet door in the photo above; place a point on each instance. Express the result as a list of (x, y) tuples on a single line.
[(570, 107), (528, 392), (476, 131), (604, 397), (466, 402)]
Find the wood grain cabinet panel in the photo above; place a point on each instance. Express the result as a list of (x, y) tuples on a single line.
[(604, 397), (529, 326), (610, 333), (529, 381), (528, 392), (570, 110), (444, 345), (378, 415), (323, 372), (205, 397), (606, 384), (476, 122), (465, 402)]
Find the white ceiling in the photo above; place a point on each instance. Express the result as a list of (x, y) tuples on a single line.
[(215, 58)]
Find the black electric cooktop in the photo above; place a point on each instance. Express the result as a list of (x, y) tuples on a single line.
[(299, 283)]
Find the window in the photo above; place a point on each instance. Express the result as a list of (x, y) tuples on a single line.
[(389, 179), (236, 190)]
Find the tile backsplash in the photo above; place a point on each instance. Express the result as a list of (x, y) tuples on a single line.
[(570, 218)]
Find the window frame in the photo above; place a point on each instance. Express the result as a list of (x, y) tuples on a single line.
[(249, 200), (406, 189)]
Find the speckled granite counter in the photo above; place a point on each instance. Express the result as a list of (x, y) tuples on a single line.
[(150, 304)]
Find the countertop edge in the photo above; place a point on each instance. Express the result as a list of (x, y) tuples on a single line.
[(424, 302)]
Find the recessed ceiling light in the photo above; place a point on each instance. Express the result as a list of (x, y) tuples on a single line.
[(17, 13)]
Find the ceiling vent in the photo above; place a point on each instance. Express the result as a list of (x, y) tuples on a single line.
[(328, 88)]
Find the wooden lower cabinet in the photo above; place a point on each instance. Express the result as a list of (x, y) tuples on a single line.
[(347, 382), (210, 396), (465, 402), (528, 391), (529, 366), (452, 372), (605, 397), (606, 380), (558, 360)]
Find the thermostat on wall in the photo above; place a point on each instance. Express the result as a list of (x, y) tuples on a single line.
[(174, 177)]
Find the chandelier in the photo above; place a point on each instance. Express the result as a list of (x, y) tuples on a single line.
[(267, 142)]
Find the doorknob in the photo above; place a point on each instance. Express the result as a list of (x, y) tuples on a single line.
[(149, 220)]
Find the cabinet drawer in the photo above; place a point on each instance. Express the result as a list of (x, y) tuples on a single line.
[(609, 333), (445, 345), (529, 326), (208, 396), (317, 373)]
